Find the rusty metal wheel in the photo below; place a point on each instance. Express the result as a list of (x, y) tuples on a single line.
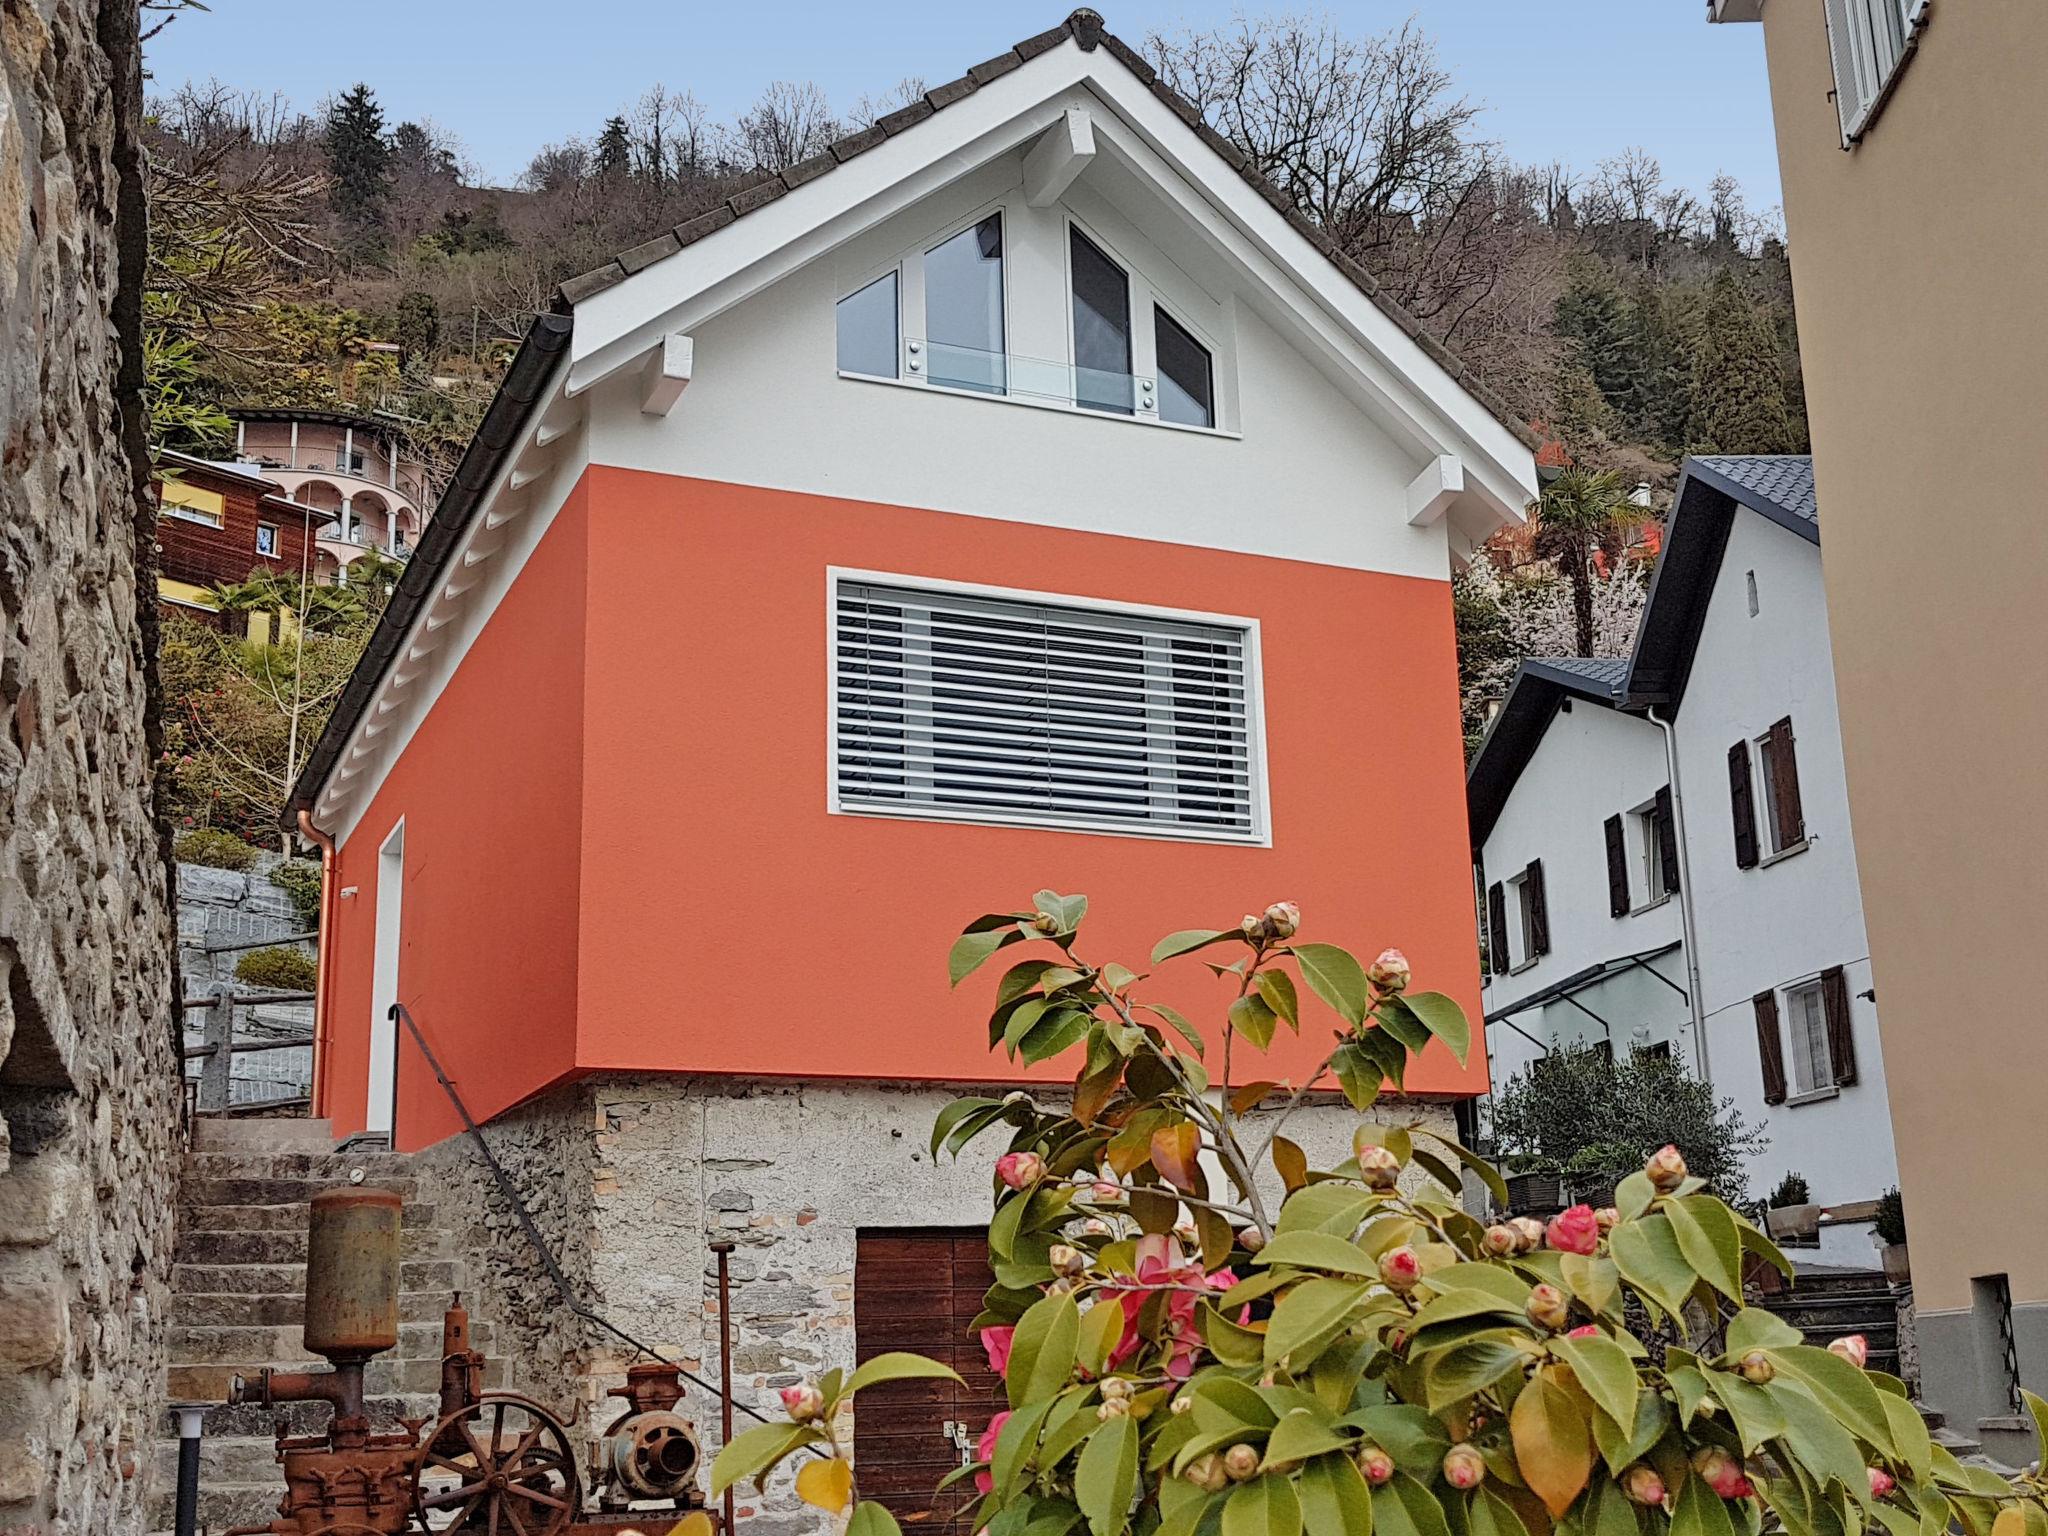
[(503, 1468)]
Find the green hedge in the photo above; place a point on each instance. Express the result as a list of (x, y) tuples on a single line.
[(213, 848), (280, 967), (299, 879)]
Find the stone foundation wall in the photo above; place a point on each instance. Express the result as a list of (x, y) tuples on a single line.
[(228, 907), (88, 1069)]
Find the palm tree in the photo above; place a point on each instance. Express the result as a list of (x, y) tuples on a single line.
[(1576, 513)]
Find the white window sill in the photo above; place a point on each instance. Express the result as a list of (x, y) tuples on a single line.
[(1159, 832), (1785, 853), (1064, 407), (1524, 965), (1650, 906), (1815, 1096), (184, 515)]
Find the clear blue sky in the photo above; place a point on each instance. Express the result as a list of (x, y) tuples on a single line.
[(1573, 80)]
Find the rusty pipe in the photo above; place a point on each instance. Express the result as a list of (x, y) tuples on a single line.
[(323, 961), (341, 1388)]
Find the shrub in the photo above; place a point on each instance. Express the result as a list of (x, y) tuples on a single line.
[(1186, 1349), (213, 848), (1791, 1190), (299, 879), (1890, 1225), (280, 967)]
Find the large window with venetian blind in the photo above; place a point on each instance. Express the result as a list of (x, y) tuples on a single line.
[(957, 703)]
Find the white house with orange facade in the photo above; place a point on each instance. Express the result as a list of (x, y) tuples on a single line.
[(1015, 495)]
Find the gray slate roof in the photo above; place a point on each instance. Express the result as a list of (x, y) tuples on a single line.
[(1785, 480), (1609, 672)]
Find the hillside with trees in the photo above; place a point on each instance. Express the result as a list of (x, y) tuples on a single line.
[(334, 258)]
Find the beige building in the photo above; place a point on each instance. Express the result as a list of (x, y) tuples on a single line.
[(354, 470), (1913, 138)]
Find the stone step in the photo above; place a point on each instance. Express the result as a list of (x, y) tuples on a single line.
[(230, 1309), (256, 1422), (225, 1459), (382, 1376), (199, 1191), (293, 1217), (221, 1505), (249, 1345), (328, 1167), (264, 1248), (290, 1279), (240, 1134)]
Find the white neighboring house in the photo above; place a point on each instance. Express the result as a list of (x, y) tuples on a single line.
[(1590, 848)]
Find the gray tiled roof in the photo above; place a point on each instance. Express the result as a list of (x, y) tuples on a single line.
[(1609, 672), (1783, 479)]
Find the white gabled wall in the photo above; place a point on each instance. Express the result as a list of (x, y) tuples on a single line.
[(1791, 918)]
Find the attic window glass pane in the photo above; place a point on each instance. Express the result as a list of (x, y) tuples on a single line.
[(867, 329), (1187, 390), (963, 309), (1102, 330)]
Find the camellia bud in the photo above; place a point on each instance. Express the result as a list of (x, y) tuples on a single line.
[(1240, 1462), (1881, 1483), (1020, 1170), (1389, 973), (1464, 1467), (1284, 918), (1608, 1218), (804, 1403), (1115, 1387), (1066, 1260), (1375, 1465), (1853, 1348), (1547, 1308), (1574, 1231), (1113, 1408), (1755, 1367), (1183, 1404), (1584, 1331), (1665, 1169), (1063, 1285), (1400, 1269), (1528, 1234), (1105, 1193), (1250, 1239), (1206, 1472), (1721, 1472), (1252, 925), (1501, 1241), (1045, 922), (1643, 1486), (1378, 1168), (1015, 1097), (1095, 1226)]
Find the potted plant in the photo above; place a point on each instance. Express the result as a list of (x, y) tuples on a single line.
[(1791, 1216), (1889, 1232)]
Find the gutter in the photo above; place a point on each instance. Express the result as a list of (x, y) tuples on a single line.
[(503, 426), (324, 952), (1695, 1004)]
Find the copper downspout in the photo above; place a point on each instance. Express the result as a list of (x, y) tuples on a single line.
[(325, 961)]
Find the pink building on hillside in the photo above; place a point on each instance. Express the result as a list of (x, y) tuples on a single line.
[(355, 469)]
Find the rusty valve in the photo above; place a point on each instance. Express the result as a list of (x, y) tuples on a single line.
[(652, 1456)]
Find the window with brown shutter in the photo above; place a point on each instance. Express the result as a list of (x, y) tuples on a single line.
[(1497, 927), (1770, 1047), (1742, 802), (1539, 909), (1617, 868), (1667, 840), (1788, 821), (1834, 997)]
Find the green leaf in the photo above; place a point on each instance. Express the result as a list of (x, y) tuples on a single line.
[(1456, 1304), (2037, 1407), (1494, 1279), (1754, 1241), (1401, 1506), (1488, 1514), (1107, 1475), (1468, 1368), (1183, 1507), (1265, 1506), (1043, 1350), (1407, 1433), (754, 1452), (1335, 976), (1697, 1511), (1843, 1390), (1632, 1196), (1015, 1442), (1307, 1317), (1102, 1328), (1300, 1434), (1328, 1207), (1592, 1278), (1190, 939), (1250, 1017), (1605, 1371), (1710, 1241), (1334, 1498), (1397, 1019), (1823, 1447), (1754, 1328), (1024, 1018), (1646, 1252), (1488, 1174), (1612, 1514), (872, 1519), (1229, 1341), (1277, 988), (953, 1114), (1317, 1250), (1179, 1022), (1068, 910), (1358, 1075), (971, 949), (899, 1365), (1752, 1410), (1622, 1447)]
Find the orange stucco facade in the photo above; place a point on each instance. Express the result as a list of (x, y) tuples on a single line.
[(619, 852)]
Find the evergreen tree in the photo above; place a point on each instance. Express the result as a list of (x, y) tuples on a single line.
[(1579, 414), (1738, 389), (1663, 402), (1593, 314), (614, 150), (418, 326), (358, 159)]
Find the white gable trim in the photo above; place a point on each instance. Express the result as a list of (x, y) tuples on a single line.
[(1393, 379)]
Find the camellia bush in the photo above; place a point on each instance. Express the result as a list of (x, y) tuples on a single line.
[(1183, 1355)]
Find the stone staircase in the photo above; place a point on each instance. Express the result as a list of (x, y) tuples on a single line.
[(238, 1294), (1825, 1303)]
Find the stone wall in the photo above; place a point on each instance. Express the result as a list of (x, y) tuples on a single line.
[(88, 1074), (225, 907)]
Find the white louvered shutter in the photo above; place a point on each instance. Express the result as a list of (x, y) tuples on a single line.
[(961, 707), (1849, 97)]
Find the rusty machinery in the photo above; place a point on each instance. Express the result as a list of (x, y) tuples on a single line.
[(490, 1461)]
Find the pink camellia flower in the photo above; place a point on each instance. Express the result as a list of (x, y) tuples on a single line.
[(1400, 1269), (1389, 973), (997, 1342), (984, 1480), (1854, 1348), (1160, 1265), (1721, 1472), (1574, 1231), (1881, 1483), (1284, 917), (1666, 1169), (1585, 1331), (1106, 1193), (1020, 1170), (1464, 1467), (1643, 1485), (803, 1403)]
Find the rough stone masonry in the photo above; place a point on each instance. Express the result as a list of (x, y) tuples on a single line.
[(88, 1069)]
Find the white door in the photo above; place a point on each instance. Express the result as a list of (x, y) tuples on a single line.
[(384, 985)]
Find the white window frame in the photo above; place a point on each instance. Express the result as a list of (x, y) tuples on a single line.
[(1792, 999), (271, 529), (1770, 835), (1261, 833), (380, 1109), (915, 362), (1645, 858), (861, 285), (1516, 889), (1869, 54)]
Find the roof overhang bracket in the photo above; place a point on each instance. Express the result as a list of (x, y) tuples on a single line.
[(1431, 493), (668, 374), (1061, 154)]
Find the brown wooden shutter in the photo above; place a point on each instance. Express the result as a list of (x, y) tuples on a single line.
[(1497, 927), (1667, 840), (1770, 1047), (1617, 868), (1785, 784), (1742, 801), (1834, 999), (1539, 910)]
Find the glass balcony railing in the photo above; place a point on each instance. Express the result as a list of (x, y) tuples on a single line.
[(1031, 378)]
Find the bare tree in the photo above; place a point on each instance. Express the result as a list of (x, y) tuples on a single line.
[(788, 123)]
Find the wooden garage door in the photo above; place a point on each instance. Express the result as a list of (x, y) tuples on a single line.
[(919, 1289)]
